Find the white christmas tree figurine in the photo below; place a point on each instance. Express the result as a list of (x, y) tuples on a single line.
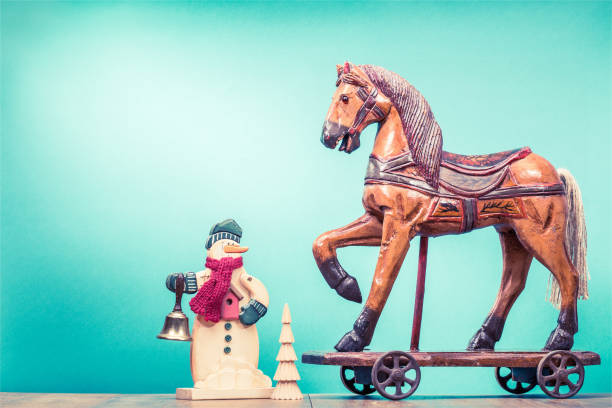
[(286, 373)]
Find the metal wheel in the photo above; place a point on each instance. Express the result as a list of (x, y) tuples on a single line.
[(396, 369), (560, 374), (510, 385), (352, 385)]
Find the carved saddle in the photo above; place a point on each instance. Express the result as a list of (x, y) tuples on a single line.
[(476, 175), (470, 187), (472, 176)]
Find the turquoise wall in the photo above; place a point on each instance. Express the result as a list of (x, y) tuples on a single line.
[(129, 129)]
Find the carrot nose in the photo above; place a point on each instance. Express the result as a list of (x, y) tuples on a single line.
[(235, 249)]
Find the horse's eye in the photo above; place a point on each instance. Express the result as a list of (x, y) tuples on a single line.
[(344, 98)]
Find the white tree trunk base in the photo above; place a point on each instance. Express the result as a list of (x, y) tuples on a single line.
[(287, 390)]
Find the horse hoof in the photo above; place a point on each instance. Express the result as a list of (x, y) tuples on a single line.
[(348, 288), (337, 278), (560, 339), (481, 341), (351, 341)]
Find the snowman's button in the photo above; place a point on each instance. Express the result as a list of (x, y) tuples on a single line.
[(228, 326), (228, 338), (227, 350)]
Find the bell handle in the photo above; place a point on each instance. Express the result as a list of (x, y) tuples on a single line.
[(180, 287)]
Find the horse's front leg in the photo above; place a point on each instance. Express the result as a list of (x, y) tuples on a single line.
[(397, 233), (366, 231)]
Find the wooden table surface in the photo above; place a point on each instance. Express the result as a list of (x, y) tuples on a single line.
[(13, 399)]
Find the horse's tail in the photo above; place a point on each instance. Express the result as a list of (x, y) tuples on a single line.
[(575, 240)]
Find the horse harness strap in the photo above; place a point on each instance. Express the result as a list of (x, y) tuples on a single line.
[(369, 105), (386, 172), (470, 214)]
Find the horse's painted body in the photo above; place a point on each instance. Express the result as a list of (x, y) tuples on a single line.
[(414, 198)]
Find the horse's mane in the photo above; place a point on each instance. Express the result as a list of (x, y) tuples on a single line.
[(420, 126)]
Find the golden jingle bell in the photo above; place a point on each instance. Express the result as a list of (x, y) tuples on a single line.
[(176, 326)]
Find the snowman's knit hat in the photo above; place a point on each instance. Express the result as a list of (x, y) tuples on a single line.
[(226, 229)]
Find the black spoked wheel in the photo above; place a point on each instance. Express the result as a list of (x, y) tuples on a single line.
[(348, 377), (560, 374), (397, 371), (504, 378)]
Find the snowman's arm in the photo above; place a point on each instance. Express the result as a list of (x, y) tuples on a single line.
[(257, 306), (202, 277), (256, 289), (193, 280)]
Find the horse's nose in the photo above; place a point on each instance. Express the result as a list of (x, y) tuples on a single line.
[(326, 134), (332, 132)]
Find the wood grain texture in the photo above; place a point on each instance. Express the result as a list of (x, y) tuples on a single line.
[(447, 359), (490, 401), (34, 400)]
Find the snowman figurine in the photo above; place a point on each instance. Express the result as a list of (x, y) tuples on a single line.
[(227, 304)]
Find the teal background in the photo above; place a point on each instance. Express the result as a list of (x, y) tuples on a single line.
[(128, 129)]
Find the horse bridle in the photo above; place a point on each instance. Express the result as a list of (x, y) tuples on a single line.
[(369, 105)]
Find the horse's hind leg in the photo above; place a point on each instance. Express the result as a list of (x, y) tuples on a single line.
[(366, 231), (516, 265), (546, 241)]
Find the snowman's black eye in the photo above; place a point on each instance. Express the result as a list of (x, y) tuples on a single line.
[(344, 98)]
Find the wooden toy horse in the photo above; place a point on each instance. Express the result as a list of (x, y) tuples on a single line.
[(413, 187)]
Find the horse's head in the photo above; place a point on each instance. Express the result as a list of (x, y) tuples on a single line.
[(356, 104)]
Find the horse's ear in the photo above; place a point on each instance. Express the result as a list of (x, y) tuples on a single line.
[(339, 68), (347, 67)]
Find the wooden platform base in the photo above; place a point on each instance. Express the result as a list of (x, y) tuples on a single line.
[(446, 359), (200, 394)]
